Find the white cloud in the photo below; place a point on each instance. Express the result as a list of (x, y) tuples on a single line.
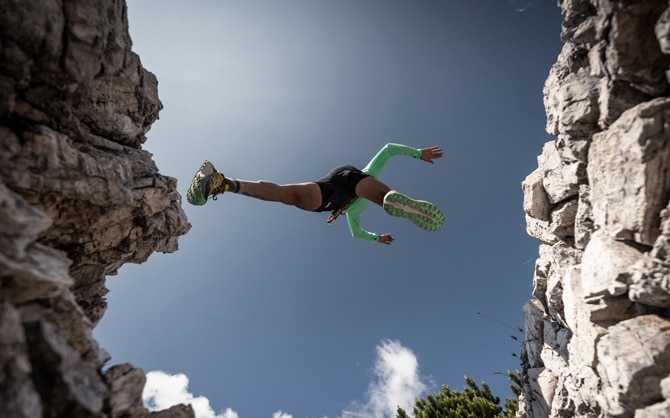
[(164, 390), (397, 383)]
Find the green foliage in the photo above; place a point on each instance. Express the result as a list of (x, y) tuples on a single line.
[(515, 377), (472, 402), (512, 404), (400, 413)]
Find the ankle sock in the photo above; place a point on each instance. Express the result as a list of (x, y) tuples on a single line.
[(234, 185)]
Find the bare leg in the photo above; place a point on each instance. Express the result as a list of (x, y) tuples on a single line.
[(305, 196), (372, 189)]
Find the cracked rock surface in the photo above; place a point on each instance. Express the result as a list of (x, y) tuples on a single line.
[(598, 329), (79, 197)]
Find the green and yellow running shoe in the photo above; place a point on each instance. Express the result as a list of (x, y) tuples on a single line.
[(424, 214), (208, 181)]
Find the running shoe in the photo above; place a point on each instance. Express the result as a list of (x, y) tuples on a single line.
[(424, 214), (208, 181)]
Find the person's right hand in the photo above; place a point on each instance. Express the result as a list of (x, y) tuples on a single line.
[(385, 239), (429, 154)]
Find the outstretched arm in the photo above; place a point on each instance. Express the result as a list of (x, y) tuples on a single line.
[(378, 162), (358, 232)]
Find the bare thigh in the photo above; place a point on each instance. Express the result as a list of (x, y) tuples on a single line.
[(372, 189), (305, 196)]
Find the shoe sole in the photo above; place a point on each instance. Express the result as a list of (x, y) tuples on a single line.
[(423, 214), (194, 193)]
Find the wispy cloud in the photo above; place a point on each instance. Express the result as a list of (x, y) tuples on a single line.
[(521, 5), (280, 414), (164, 390), (397, 383)]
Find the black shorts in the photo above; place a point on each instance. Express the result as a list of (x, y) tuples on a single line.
[(339, 187)]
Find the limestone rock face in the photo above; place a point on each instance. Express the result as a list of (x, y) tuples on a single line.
[(598, 331), (79, 197)]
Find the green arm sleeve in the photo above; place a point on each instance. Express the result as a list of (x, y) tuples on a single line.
[(373, 168), (378, 162), (356, 230)]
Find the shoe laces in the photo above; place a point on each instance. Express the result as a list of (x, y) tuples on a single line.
[(217, 184)]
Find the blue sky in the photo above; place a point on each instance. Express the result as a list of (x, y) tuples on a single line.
[(267, 311)]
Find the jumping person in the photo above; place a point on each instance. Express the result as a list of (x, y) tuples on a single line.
[(345, 189)]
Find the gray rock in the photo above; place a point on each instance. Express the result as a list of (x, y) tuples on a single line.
[(628, 190), (18, 395), (662, 31), (584, 218), (176, 411), (570, 98), (125, 398), (560, 176), (535, 200), (661, 409), (607, 266), (597, 332), (562, 223), (79, 198), (633, 358), (66, 384), (650, 282)]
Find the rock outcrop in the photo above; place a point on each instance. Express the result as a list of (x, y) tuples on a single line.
[(597, 338), (79, 197)]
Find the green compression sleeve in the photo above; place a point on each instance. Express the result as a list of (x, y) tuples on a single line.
[(378, 162), (373, 168), (356, 231)]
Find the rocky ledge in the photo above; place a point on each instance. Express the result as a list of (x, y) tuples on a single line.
[(79, 197)]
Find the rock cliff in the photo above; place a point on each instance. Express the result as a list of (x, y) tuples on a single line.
[(597, 340), (79, 197)]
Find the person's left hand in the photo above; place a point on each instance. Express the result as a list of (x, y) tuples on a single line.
[(429, 154), (385, 239)]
